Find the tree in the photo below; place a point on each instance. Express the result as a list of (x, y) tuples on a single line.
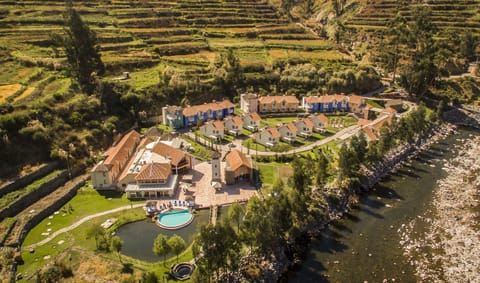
[(81, 49), (161, 246), (116, 245), (235, 76), (235, 213), (177, 244), (347, 163), (286, 6), (321, 169), (421, 68), (359, 146), (390, 48), (468, 45), (149, 277), (101, 237), (301, 179)]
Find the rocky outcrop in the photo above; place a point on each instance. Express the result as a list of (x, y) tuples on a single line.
[(395, 158), (449, 251)]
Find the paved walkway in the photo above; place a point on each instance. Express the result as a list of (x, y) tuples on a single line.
[(80, 222)]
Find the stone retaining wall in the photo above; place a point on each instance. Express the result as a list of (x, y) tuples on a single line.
[(55, 206), (27, 179), (44, 189)]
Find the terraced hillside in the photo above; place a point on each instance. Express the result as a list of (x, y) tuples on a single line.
[(186, 34), (456, 15)]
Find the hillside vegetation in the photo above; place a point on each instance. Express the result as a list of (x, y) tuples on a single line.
[(180, 52)]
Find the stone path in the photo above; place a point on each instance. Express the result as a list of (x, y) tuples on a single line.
[(80, 222)]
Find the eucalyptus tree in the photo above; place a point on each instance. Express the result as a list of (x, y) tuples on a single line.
[(81, 48)]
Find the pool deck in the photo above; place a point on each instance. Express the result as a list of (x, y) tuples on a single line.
[(206, 196)]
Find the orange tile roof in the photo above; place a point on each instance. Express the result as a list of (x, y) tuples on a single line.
[(390, 110), (355, 99), (325, 98), (291, 126), (274, 132), (322, 118), (154, 171), (100, 167), (237, 121), (278, 99), (378, 125), (218, 125), (214, 106), (235, 159), (119, 153), (370, 134), (308, 123), (175, 155), (255, 117), (363, 122)]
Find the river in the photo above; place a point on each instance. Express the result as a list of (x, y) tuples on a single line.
[(364, 244)]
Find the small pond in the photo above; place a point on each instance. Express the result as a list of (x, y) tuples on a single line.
[(138, 237)]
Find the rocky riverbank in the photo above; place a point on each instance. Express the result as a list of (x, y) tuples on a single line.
[(272, 271), (447, 249)]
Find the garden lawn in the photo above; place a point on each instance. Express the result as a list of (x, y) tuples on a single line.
[(87, 201), (273, 122), (77, 239), (270, 171)]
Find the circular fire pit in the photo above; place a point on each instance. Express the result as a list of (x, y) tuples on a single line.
[(182, 271)]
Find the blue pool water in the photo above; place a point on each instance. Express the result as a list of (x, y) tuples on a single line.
[(175, 218)]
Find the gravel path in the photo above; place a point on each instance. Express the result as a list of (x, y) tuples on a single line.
[(80, 222)]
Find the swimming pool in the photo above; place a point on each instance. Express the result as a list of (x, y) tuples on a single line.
[(175, 219)]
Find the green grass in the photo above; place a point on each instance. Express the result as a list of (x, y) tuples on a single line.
[(270, 171), (87, 201), (13, 196), (373, 103), (273, 122), (199, 151), (78, 238), (142, 78), (250, 143)]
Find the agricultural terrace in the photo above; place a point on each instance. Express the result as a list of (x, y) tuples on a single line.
[(143, 37)]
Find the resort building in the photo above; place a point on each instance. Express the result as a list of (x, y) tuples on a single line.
[(356, 104), (216, 169), (251, 121), (105, 174), (233, 125), (193, 115), (282, 104), (288, 132), (390, 111), (172, 116), (304, 127), (369, 134), (213, 129), (249, 102), (268, 137), (154, 180), (372, 128), (325, 103), (179, 160), (238, 167), (320, 121)]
